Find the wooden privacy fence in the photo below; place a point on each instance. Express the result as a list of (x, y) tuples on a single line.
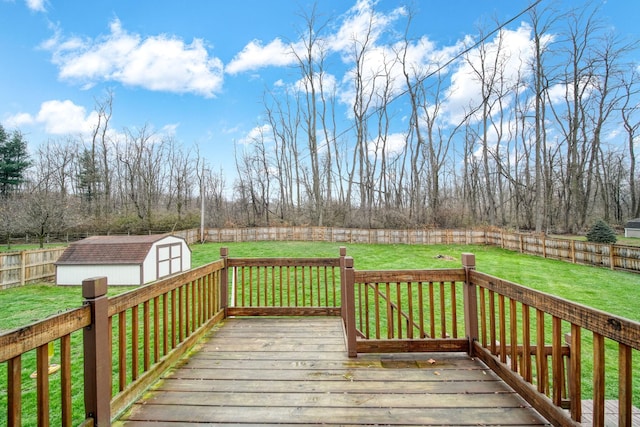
[(615, 257), (18, 268)]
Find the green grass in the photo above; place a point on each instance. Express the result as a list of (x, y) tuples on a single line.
[(30, 247), (610, 291)]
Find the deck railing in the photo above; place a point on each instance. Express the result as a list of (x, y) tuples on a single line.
[(111, 349), (553, 352), (289, 286)]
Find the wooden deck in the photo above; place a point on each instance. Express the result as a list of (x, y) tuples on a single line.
[(295, 371)]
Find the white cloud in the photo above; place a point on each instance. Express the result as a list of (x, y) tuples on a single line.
[(58, 118), (65, 117), (392, 145), (259, 134), (36, 5), (159, 63), (255, 55), (510, 51), (19, 120)]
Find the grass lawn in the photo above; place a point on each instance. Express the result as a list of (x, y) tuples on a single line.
[(611, 291), (30, 247)]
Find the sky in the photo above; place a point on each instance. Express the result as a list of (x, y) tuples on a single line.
[(198, 70)]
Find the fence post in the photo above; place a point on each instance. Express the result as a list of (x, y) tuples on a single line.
[(348, 301), (97, 357), (343, 254), (23, 267), (470, 300), (224, 280)]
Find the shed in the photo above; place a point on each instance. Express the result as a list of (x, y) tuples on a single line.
[(124, 260), (632, 228)]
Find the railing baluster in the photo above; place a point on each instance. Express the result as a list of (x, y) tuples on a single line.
[(541, 357), (410, 304), (122, 350), (195, 302), (173, 319), (503, 328), (598, 380), (526, 344), (421, 309), (575, 373), (156, 329), (454, 311), (432, 311), (146, 337), (303, 286), (364, 290), (483, 317), (288, 285), (42, 384), (556, 360), (310, 286), (443, 311), (376, 302), (399, 309), (492, 323), (134, 343), (187, 310), (513, 320), (65, 381), (14, 392), (181, 314), (625, 387)]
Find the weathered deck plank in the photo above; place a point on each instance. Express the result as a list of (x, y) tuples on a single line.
[(288, 371)]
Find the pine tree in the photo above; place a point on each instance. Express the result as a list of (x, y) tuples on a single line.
[(14, 161), (601, 232)]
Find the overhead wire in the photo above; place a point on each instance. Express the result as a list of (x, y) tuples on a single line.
[(437, 70)]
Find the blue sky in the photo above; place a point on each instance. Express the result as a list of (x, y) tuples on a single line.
[(197, 70)]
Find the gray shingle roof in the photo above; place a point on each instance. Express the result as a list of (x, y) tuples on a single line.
[(633, 223), (109, 250)]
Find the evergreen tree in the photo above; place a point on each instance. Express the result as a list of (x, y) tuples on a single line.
[(601, 232), (14, 161)]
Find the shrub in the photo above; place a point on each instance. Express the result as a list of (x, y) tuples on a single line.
[(601, 232)]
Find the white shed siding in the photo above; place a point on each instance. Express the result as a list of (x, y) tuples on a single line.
[(632, 232), (117, 274)]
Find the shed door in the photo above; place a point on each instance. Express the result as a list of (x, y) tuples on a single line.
[(169, 259)]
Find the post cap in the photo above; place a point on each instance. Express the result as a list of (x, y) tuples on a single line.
[(468, 260), (94, 287)]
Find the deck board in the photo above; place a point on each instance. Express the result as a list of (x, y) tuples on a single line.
[(295, 371)]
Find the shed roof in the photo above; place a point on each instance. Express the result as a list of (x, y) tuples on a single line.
[(109, 250), (633, 223)]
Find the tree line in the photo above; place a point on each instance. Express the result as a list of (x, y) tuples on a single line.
[(548, 143)]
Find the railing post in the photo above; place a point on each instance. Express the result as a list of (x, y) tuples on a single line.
[(350, 307), (343, 254), (97, 357), (470, 300), (224, 280)]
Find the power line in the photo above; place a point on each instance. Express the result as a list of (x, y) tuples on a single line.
[(440, 68)]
